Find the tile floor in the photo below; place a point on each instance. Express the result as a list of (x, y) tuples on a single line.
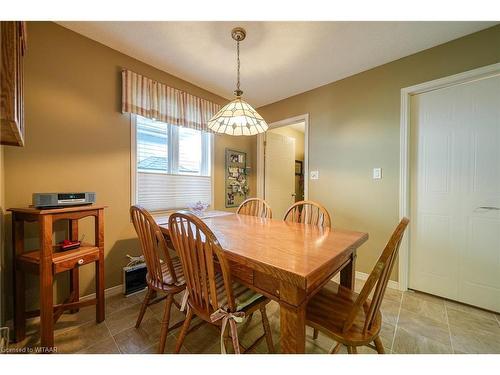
[(412, 323)]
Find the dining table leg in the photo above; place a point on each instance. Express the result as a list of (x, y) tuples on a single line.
[(292, 319), (292, 328), (348, 273)]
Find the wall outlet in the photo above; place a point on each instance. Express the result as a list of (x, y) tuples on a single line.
[(314, 175), (377, 173)]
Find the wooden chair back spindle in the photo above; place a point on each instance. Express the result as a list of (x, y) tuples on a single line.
[(153, 244), (308, 212), (255, 207), (198, 248), (377, 280)]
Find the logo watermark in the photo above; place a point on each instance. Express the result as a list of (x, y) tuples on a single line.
[(4, 346), (28, 350)]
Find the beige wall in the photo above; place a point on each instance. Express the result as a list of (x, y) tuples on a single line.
[(77, 139), (354, 126), (2, 237)]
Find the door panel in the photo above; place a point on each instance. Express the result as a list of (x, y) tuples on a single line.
[(279, 185), (455, 193)]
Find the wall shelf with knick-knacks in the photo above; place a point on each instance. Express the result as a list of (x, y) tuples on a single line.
[(236, 182)]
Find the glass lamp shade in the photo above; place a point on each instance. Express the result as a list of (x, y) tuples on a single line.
[(237, 118)]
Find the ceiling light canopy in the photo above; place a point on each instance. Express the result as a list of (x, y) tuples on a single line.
[(238, 117)]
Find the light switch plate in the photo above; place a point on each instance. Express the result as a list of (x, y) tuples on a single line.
[(377, 173), (314, 175)]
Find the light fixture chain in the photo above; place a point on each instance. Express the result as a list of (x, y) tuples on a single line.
[(238, 64)]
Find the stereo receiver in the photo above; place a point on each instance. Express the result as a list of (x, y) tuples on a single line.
[(46, 200)]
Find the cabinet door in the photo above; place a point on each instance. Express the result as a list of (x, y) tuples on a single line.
[(13, 35)]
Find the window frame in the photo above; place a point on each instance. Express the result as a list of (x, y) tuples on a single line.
[(134, 170)]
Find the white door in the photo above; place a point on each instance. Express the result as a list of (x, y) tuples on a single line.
[(455, 193), (279, 167)]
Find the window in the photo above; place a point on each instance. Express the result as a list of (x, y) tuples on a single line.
[(173, 165)]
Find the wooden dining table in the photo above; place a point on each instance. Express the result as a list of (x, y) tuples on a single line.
[(287, 262)]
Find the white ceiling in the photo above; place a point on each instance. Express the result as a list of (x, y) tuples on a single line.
[(278, 59)]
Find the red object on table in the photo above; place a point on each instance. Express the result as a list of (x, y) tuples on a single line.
[(68, 245)]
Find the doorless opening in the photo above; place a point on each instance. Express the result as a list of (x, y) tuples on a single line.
[(282, 163)]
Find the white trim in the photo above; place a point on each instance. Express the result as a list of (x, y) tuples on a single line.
[(404, 159), (133, 160), (109, 292), (212, 169), (113, 291), (133, 163), (364, 276), (260, 153)]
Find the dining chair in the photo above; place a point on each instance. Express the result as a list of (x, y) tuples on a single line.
[(255, 207), (353, 319), (308, 212), (211, 293), (165, 276)]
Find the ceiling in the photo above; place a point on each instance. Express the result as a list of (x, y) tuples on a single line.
[(278, 59)]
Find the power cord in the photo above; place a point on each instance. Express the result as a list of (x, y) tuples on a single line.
[(134, 261)]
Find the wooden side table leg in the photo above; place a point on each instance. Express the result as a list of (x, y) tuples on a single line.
[(19, 287), (99, 287), (74, 287), (99, 268), (348, 273), (46, 277), (74, 274)]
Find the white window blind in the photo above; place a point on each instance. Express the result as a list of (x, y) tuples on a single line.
[(158, 192), (172, 165)]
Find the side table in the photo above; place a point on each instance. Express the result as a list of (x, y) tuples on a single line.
[(48, 261)]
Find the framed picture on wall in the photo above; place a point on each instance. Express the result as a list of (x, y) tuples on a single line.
[(298, 167), (236, 177)]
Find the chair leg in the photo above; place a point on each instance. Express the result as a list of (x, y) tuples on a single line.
[(145, 303), (315, 334), (335, 349), (184, 330), (164, 323), (267, 330), (379, 345), (352, 350)]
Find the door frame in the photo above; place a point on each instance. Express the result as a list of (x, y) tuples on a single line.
[(405, 142), (260, 153)]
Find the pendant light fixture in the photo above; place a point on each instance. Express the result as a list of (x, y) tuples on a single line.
[(238, 117)]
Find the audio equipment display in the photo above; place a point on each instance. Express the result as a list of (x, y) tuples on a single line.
[(46, 200)]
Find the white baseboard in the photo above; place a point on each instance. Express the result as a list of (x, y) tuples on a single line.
[(114, 290), (364, 276)]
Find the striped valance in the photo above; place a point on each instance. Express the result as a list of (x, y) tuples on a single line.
[(154, 100)]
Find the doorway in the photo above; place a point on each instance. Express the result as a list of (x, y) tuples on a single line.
[(282, 164), (454, 189)]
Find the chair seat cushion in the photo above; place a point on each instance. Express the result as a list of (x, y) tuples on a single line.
[(329, 309), (244, 297), (168, 280)]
